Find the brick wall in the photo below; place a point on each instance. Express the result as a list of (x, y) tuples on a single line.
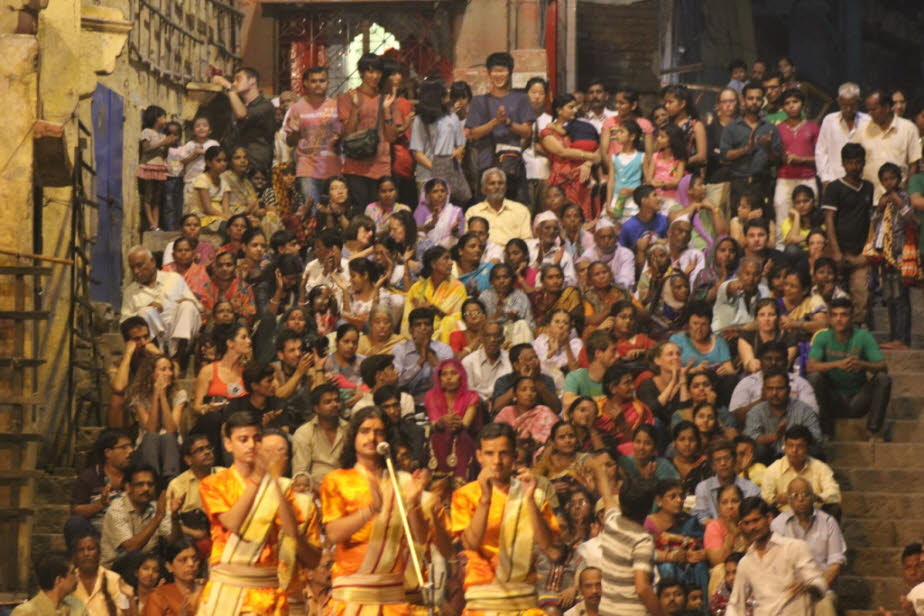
[(619, 44)]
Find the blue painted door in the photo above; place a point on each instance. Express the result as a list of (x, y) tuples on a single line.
[(106, 260)]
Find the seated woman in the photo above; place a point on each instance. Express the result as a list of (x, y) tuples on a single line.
[(343, 365), (600, 297), (402, 230), (516, 256), (669, 313), (223, 284), (381, 338), (238, 225), (721, 265), (574, 237), (453, 410), (701, 388), (437, 290), (509, 305), (468, 340), (701, 349), (183, 262), (180, 597), (241, 192), (334, 213), (620, 412), (802, 218), (552, 295), (387, 204), (209, 198), (557, 582), (801, 312), (357, 241), (631, 345), (436, 216), (723, 536), (689, 459), (666, 392), (678, 537), (653, 276), (143, 575), (323, 312), (560, 460), (765, 328), (157, 404), (529, 419), (190, 229), (746, 460), (644, 463), (558, 348), (707, 422), (366, 290), (583, 414), (467, 265)]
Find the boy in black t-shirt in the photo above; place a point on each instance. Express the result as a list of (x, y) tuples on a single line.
[(847, 204)]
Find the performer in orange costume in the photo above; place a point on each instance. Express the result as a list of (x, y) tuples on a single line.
[(256, 541), (499, 518), (361, 520)]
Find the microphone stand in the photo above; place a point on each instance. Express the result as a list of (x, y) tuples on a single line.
[(426, 588)]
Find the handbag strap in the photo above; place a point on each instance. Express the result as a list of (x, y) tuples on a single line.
[(378, 116)]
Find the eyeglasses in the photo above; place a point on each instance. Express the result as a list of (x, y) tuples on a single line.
[(471, 313)]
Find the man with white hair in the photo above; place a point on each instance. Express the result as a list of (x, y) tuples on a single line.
[(507, 219), (606, 248), (546, 248), (837, 129), (163, 300)]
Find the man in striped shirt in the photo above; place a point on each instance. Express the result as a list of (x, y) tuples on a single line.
[(628, 549)]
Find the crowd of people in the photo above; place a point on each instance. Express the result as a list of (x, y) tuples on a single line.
[(604, 350)]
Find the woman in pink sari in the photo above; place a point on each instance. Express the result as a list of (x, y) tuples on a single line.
[(529, 419), (453, 411)]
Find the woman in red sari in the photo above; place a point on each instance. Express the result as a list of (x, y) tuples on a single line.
[(453, 411), (570, 166), (182, 596)]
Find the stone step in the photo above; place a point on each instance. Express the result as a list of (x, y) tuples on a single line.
[(907, 383), (899, 430), (879, 532), (54, 489), (906, 407), (856, 592), (882, 335), (881, 505), (42, 543), (872, 561), (876, 455), (50, 519), (900, 480), (905, 361)]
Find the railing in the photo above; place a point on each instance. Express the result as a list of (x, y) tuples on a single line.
[(179, 41)]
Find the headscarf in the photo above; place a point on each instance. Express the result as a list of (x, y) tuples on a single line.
[(440, 233), (435, 398), (709, 275)]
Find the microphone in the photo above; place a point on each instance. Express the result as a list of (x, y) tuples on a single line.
[(383, 448)]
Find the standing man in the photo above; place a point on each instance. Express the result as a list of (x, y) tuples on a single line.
[(838, 363), (252, 510), (364, 109), (502, 518), (497, 122), (887, 138), (773, 88), (837, 129), (255, 116), (163, 300), (779, 573), (312, 125), (751, 146), (822, 534), (596, 97), (506, 219)]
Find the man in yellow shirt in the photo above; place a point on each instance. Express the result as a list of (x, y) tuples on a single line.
[(507, 219)]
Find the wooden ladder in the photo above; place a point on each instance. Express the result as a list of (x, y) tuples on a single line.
[(20, 438)]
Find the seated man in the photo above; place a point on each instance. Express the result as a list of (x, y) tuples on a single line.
[(317, 444), (57, 578), (912, 572), (606, 248), (403, 427), (98, 588), (502, 505), (820, 531), (672, 595), (261, 400), (736, 299), (767, 422), (839, 360), (184, 488), (417, 358), (101, 483), (489, 362), (296, 372), (135, 522), (797, 463), (722, 459), (601, 354), (525, 362), (328, 267), (137, 337), (163, 300), (507, 219), (378, 371), (590, 587), (748, 392)]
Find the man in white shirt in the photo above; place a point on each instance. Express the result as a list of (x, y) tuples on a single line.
[(596, 97), (780, 574), (836, 130), (606, 248), (736, 301), (163, 300), (487, 363), (329, 267), (590, 586), (887, 138)]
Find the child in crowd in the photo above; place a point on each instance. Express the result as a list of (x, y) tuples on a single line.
[(625, 171), (173, 186), (210, 195), (737, 73), (749, 208), (194, 151), (666, 166), (152, 163)]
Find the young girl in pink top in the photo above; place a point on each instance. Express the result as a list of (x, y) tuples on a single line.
[(665, 168)]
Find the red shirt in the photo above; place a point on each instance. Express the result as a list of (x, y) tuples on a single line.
[(800, 141)]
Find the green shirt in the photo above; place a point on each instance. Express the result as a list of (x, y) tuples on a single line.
[(826, 347), (916, 186), (579, 382)]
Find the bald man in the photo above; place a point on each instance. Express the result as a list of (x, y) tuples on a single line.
[(163, 300), (820, 531)]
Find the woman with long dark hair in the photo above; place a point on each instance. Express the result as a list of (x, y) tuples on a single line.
[(437, 290), (570, 166), (437, 140)]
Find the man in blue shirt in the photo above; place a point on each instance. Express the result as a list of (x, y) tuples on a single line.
[(646, 226), (768, 421), (722, 459), (416, 359)]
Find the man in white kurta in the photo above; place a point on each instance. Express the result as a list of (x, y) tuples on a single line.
[(163, 300)]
